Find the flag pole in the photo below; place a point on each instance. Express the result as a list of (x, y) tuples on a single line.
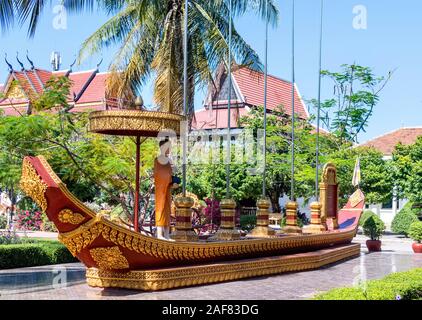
[(185, 93), (264, 183), (319, 102), (292, 192)]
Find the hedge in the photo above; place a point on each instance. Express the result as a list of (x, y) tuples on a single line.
[(34, 254), (396, 286), (404, 219)]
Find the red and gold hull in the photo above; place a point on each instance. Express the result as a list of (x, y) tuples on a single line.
[(118, 257)]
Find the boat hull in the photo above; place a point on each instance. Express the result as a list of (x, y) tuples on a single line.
[(170, 278), (112, 249)]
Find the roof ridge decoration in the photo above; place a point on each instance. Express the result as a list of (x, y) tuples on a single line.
[(70, 69), (34, 70), (25, 73), (88, 82)]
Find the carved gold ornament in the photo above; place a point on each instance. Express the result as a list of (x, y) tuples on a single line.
[(68, 216), (84, 235), (33, 186), (109, 258), (147, 123), (162, 279), (329, 175)]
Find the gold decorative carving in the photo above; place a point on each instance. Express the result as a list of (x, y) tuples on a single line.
[(263, 216), (33, 186), (15, 92), (80, 238), (184, 231), (68, 216), (148, 122), (152, 280), (109, 258), (291, 219), (227, 229)]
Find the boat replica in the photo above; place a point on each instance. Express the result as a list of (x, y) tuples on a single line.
[(117, 256)]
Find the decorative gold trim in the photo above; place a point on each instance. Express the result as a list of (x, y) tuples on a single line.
[(68, 216), (84, 235), (150, 122), (109, 258), (151, 280), (33, 186)]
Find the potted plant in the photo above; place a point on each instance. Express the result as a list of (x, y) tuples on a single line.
[(415, 232), (373, 228)]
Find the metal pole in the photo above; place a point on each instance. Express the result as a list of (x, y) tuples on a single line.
[(264, 183), (292, 192), (229, 105), (319, 102), (137, 186), (185, 94)]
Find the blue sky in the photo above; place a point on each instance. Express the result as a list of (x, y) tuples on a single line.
[(390, 42)]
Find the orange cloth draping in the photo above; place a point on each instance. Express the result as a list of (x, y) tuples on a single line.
[(162, 179)]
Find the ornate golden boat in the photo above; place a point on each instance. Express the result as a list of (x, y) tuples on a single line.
[(116, 256)]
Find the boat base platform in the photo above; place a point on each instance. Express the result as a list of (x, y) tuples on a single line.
[(169, 278)]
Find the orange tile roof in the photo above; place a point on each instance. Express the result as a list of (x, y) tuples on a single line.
[(387, 142), (279, 91), (93, 97), (217, 118)]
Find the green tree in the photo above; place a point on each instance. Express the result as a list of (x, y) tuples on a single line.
[(246, 178), (377, 179), (356, 93), (407, 168), (93, 166)]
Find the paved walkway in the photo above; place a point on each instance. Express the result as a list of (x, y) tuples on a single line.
[(46, 282)]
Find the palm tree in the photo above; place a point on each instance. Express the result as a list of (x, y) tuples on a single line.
[(150, 35)]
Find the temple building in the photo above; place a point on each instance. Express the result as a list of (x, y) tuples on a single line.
[(386, 144), (87, 93), (247, 92)]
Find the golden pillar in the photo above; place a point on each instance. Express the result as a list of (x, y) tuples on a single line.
[(316, 225), (184, 231), (262, 219), (291, 219), (227, 229)]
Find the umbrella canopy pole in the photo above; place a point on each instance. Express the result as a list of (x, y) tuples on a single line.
[(137, 186)]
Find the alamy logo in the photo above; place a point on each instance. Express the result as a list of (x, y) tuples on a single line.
[(60, 18), (360, 19)]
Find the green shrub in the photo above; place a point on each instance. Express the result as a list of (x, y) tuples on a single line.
[(373, 227), (247, 223), (38, 253), (415, 231), (364, 216), (402, 285), (3, 222), (404, 219)]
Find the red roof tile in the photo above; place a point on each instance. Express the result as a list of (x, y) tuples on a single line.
[(217, 118), (279, 92), (94, 95), (387, 142)]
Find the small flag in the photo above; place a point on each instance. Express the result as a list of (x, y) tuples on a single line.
[(356, 174)]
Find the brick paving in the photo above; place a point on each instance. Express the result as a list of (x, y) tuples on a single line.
[(36, 283)]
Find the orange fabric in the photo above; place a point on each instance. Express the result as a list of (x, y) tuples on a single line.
[(162, 179)]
